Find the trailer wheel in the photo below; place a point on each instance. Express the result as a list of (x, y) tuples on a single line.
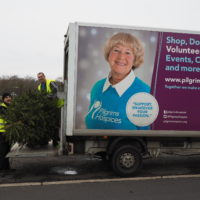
[(126, 160)]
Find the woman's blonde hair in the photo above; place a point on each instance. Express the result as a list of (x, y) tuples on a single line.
[(129, 40)]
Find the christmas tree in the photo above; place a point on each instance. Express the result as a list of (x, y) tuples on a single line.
[(32, 119)]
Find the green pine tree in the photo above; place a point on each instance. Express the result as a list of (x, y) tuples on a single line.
[(32, 119)]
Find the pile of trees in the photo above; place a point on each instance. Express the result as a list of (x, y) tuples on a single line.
[(32, 118)]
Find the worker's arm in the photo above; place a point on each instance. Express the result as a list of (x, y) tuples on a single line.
[(54, 89)]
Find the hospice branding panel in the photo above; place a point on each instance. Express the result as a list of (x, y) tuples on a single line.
[(176, 82)]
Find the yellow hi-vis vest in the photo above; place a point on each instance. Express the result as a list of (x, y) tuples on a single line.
[(48, 88), (2, 121), (60, 102)]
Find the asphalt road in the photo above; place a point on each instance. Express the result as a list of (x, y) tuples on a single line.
[(153, 189), (64, 168)]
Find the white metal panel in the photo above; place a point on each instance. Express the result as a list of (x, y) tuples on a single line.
[(138, 133), (137, 28), (71, 79)]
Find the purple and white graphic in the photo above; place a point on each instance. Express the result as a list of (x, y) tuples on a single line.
[(176, 81), (171, 69)]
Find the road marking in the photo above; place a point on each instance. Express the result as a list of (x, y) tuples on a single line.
[(97, 180), (20, 184)]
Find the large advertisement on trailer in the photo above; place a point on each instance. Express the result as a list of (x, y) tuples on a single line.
[(137, 79)]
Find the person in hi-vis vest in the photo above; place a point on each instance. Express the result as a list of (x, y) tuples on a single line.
[(51, 88), (48, 86), (4, 144)]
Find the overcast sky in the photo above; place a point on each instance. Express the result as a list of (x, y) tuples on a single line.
[(32, 31)]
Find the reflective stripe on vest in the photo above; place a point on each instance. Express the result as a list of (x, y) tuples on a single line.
[(2, 121), (2, 125), (3, 105), (48, 88)]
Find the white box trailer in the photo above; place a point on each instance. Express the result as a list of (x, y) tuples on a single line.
[(152, 108)]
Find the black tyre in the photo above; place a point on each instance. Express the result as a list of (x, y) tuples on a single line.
[(126, 160)]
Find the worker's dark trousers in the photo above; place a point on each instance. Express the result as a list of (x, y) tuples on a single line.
[(4, 149)]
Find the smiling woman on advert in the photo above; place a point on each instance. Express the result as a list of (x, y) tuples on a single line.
[(109, 96)]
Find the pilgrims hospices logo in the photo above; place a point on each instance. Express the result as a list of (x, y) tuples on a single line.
[(101, 114)]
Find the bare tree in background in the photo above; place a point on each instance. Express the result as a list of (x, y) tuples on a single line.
[(17, 86)]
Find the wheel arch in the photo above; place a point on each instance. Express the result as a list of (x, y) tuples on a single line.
[(113, 143)]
